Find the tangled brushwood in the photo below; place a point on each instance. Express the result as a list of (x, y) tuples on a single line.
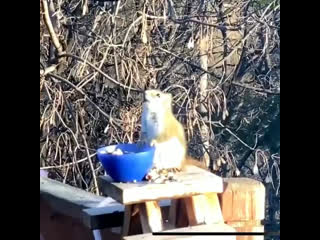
[(219, 59)]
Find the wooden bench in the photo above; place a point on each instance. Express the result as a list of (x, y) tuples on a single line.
[(93, 211), (75, 208), (67, 212)]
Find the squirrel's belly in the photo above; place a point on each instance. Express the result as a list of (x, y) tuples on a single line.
[(152, 126), (169, 154), (153, 131)]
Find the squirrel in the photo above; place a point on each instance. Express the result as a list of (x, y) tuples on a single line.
[(161, 129)]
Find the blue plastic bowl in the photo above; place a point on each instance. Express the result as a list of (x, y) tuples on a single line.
[(129, 167)]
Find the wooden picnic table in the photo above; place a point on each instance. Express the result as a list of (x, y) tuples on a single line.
[(194, 197)]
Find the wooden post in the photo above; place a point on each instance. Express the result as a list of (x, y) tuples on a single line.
[(243, 205)]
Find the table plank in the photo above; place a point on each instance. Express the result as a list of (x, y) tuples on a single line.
[(192, 182)]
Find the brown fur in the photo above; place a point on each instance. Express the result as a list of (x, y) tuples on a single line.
[(173, 128)]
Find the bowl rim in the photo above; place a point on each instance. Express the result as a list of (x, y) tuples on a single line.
[(149, 148)]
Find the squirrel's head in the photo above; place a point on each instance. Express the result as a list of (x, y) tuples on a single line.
[(158, 99)]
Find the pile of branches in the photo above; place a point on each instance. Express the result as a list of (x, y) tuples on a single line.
[(219, 59)]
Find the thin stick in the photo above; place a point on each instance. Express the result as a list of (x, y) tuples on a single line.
[(68, 164), (85, 8), (49, 25), (84, 135), (185, 61), (256, 89), (90, 161), (47, 70), (218, 123)]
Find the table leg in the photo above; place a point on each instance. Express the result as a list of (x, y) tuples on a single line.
[(127, 219), (214, 212), (97, 234), (173, 210), (202, 209), (177, 214), (150, 217)]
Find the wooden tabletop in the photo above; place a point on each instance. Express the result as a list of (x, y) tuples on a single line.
[(194, 181)]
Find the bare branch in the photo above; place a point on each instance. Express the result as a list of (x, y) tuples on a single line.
[(85, 95), (52, 33), (99, 70), (255, 89)]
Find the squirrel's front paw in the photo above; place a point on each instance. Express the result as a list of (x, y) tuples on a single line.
[(153, 143)]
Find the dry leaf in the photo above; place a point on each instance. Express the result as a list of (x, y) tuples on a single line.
[(215, 167), (255, 169), (190, 43), (144, 28), (144, 36), (219, 162)]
